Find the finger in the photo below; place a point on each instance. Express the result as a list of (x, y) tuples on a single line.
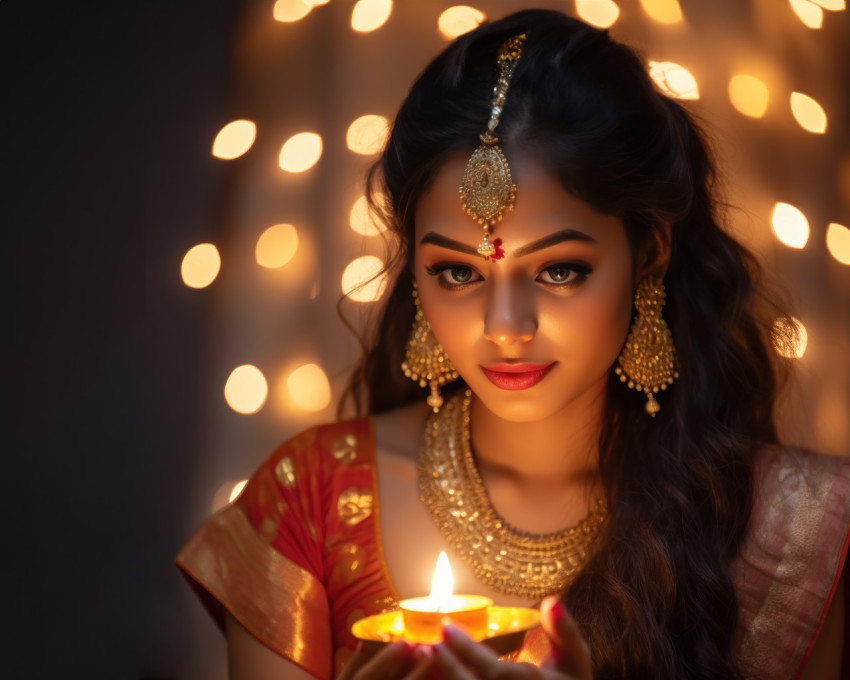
[(449, 666), (480, 658), (425, 659), (391, 662), (571, 653)]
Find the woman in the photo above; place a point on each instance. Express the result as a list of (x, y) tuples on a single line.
[(581, 259)]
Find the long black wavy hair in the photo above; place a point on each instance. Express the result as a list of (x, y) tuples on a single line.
[(657, 599)]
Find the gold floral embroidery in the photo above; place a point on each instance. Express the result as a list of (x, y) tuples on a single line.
[(285, 472), (354, 505), (349, 564), (344, 449)]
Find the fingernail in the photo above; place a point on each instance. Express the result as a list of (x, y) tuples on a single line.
[(423, 653), (558, 610), (452, 632)]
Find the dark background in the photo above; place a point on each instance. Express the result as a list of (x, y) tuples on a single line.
[(108, 111)]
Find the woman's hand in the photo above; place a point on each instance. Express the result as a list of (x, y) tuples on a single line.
[(398, 661), (459, 658)]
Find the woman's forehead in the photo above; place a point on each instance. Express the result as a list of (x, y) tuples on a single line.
[(542, 207)]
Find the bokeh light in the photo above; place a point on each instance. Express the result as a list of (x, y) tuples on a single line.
[(301, 152), (246, 389), (749, 95), (663, 11), (808, 113), (363, 279), (367, 134), (234, 139), (361, 219), (832, 5), (838, 242), (287, 11), (276, 246), (458, 20), (789, 337), (369, 15), (599, 13), (200, 265), (315, 3), (674, 79), (808, 12), (236, 490), (790, 225), (308, 388)]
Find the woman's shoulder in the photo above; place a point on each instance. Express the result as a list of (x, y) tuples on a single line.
[(796, 469), (345, 441)]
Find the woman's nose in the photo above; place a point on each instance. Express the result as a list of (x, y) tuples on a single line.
[(511, 316)]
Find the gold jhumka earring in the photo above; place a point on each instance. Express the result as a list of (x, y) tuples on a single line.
[(647, 362), (425, 360), (488, 190)]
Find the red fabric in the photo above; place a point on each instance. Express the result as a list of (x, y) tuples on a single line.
[(311, 511)]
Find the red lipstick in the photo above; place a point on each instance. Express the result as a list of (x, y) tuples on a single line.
[(516, 376)]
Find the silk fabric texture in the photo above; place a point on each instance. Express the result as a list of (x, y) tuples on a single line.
[(297, 558)]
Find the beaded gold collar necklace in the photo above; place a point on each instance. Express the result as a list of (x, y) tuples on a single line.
[(508, 560)]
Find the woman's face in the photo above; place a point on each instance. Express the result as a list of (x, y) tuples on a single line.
[(540, 328)]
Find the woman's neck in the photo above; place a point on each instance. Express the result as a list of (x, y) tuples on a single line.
[(559, 450)]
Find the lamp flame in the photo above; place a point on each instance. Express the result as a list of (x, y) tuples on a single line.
[(442, 585)]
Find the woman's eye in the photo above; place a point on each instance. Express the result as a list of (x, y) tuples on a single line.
[(459, 274), (564, 273), (454, 276)]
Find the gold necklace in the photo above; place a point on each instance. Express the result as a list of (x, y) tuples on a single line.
[(507, 559)]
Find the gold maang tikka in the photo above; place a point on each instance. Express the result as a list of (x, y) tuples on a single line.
[(488, 190)]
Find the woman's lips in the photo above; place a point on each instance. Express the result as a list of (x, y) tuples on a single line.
[(516, 376)]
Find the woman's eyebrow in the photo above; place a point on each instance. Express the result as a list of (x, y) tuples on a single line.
[(553, 239), (545, 242), (446, 242)]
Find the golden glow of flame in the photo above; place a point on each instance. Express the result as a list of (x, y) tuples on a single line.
[(808, 113), (363, 279), (246, 389), (790, 225), (308, 388), (315, 3), (287, 11), (237, 489), (674, 80), (599, 13), (808, 12), (234, 139), (663, 11), (789, 337), (367, 134), (276, 246), (458, 20), (301, 152), (442, 585), (369, 15), (749, 95), (838, 242), (831, 5), (361, 221), (200, 265)]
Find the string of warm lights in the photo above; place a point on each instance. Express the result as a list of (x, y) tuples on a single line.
[(753, 91)]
